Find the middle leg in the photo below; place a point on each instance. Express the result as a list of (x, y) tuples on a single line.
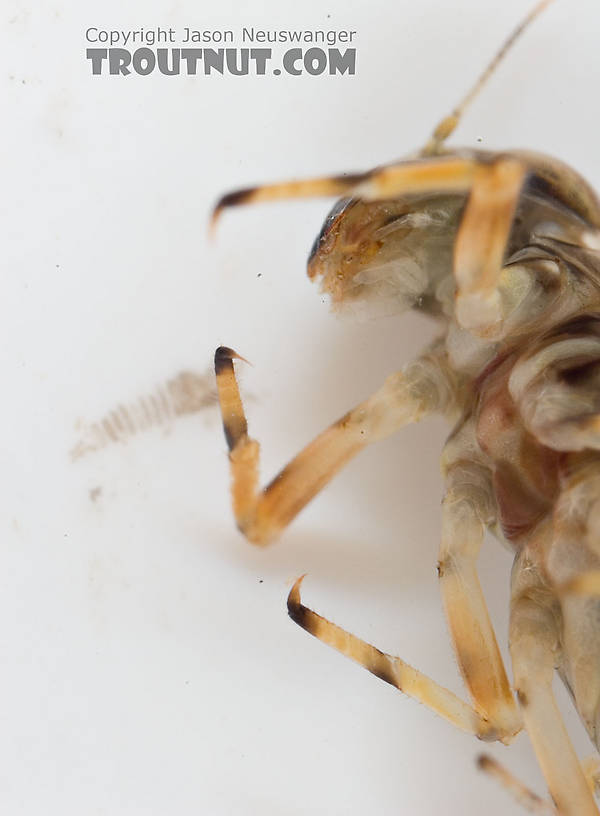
[(425, 386)]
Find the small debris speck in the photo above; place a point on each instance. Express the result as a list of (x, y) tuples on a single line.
[(95, 493)]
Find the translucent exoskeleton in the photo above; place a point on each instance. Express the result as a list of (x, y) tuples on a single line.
[(504, 250)]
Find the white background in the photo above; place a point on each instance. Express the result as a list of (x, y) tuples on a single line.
[(148, 664)]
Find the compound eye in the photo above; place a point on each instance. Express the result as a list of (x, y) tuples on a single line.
[(338, 209)]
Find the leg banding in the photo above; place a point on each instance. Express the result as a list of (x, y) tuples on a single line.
[(520, 792), (426, 386), (444, 173), (390, 669)]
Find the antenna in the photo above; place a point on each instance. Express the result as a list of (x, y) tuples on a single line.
[(449, 123)]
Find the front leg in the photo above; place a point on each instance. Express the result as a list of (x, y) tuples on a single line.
[(481, 243), (492, 186), (425, 386)]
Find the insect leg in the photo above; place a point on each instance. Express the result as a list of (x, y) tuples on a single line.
[(513, 786), (436, 173), (391, 669), (591, 771), (534, 643), (424, 386), (467, 507), (481, 243), (433, 174), (493, 186)]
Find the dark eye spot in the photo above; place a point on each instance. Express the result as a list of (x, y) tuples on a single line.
[(338, 208)]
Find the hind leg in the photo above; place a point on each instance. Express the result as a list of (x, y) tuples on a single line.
[(494, 714), (392, 670)]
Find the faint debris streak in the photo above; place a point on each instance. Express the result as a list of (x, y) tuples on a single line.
[(187, 393)]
